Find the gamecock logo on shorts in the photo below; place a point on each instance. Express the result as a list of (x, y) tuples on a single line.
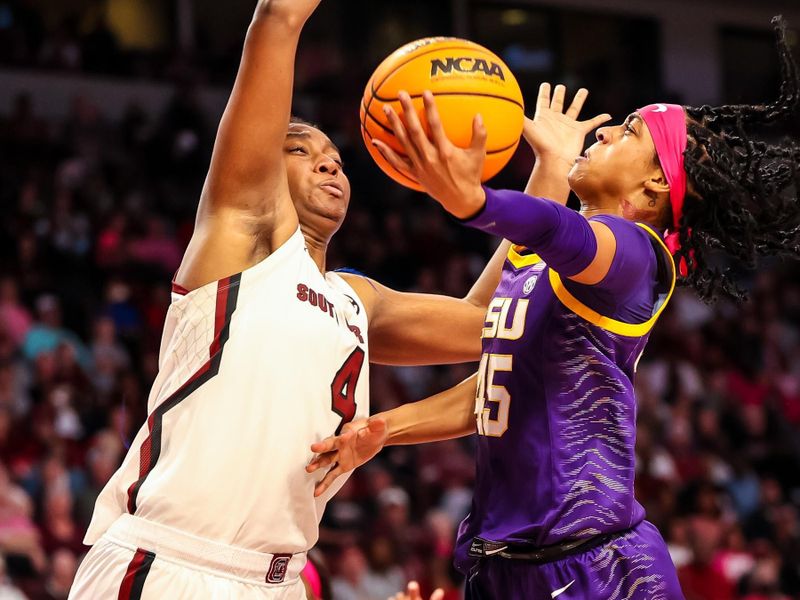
[(278, 567)]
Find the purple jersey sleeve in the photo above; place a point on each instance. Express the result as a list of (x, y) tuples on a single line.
[(562, 237), (628, 292), (565, 241)]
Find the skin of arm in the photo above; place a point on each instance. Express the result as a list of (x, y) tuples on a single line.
[(451, 175), (447, 415), (418, 329), (422, 421), (245, 209)]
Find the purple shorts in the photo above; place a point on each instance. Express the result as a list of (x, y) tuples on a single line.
[(634, 566)]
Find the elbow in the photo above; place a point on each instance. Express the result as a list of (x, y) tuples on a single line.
[(477, 302)]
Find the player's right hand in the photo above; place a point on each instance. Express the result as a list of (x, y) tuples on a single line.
[(358, 443), (413, 593)]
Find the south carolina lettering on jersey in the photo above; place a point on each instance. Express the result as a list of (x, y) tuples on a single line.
[(318, 299)]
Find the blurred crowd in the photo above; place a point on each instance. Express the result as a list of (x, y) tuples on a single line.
[(84, 42), (96, 217)]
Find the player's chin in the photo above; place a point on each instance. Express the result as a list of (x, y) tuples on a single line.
[(331, 211)]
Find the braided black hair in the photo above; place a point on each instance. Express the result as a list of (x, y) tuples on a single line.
[(742, 195)]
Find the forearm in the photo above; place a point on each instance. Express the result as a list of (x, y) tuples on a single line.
[(561, 236), (247, 170), (447, 415), (291, 14), (549, 180)]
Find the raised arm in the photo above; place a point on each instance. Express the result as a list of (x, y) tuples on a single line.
[(247, 170), (246, 211), (414, 329), (555, 137), (452, 177)]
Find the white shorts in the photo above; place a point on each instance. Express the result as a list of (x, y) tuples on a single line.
[(137, 559)]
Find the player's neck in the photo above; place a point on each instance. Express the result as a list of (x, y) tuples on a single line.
[(317, 248)]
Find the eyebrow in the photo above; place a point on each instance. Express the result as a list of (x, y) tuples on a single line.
[(306, 134), (631, 118)]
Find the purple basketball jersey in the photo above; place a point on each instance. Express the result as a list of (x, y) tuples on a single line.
[(556, 410)]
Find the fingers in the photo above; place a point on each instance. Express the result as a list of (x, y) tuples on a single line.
[(443, 144), (416, 133), (594, 123), (400, 133), (326, 481), (479, 135), (321, 461), (438, 594), (413, 591), (403, 165), (577, 103), (323, 446), (543, 100), (557, 103)]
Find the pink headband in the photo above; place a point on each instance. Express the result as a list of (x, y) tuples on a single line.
[(311, 575), (667, 125)]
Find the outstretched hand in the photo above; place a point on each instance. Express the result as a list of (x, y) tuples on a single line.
[(413, 593), (555, 134), (358, 442), (451, 175)]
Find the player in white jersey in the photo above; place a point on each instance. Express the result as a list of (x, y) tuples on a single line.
[(263, 353)]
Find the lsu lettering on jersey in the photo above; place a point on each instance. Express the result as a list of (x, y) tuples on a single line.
[(556, 409), (253, 369)]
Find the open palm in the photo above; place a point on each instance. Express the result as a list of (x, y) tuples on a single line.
[(358, 442), (555, 134)]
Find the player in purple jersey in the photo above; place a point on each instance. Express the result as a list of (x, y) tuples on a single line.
[(554, 513)]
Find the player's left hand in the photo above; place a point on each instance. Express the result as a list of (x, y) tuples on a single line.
[(413, 593), (451, 175), (556, 134), (359, 441)]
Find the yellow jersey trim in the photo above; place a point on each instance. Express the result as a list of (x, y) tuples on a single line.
[(612, 325), (521, 260)]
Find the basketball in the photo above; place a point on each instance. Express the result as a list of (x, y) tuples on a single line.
[(466, 79)]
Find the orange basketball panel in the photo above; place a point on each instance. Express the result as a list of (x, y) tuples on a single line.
[(503, 119), (414, 49)]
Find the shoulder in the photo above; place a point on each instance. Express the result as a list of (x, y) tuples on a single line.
[(635, 258), (365, 289)]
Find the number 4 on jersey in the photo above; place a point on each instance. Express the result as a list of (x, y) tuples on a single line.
[(490, 393), (343, 388)]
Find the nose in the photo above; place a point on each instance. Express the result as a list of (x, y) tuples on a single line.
[(602, 135), (327, 165)]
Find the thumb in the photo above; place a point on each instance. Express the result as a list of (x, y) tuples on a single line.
[(594, 123), (479, 135)]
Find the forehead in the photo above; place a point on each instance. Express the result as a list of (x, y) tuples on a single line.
[(312, 134)]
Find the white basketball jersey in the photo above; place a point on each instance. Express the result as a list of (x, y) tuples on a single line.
[(254, 368)]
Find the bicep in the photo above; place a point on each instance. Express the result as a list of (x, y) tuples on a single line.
[(421, 329), (606, 244), (624, 259)]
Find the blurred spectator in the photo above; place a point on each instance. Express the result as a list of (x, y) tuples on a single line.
[(97, 216)]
